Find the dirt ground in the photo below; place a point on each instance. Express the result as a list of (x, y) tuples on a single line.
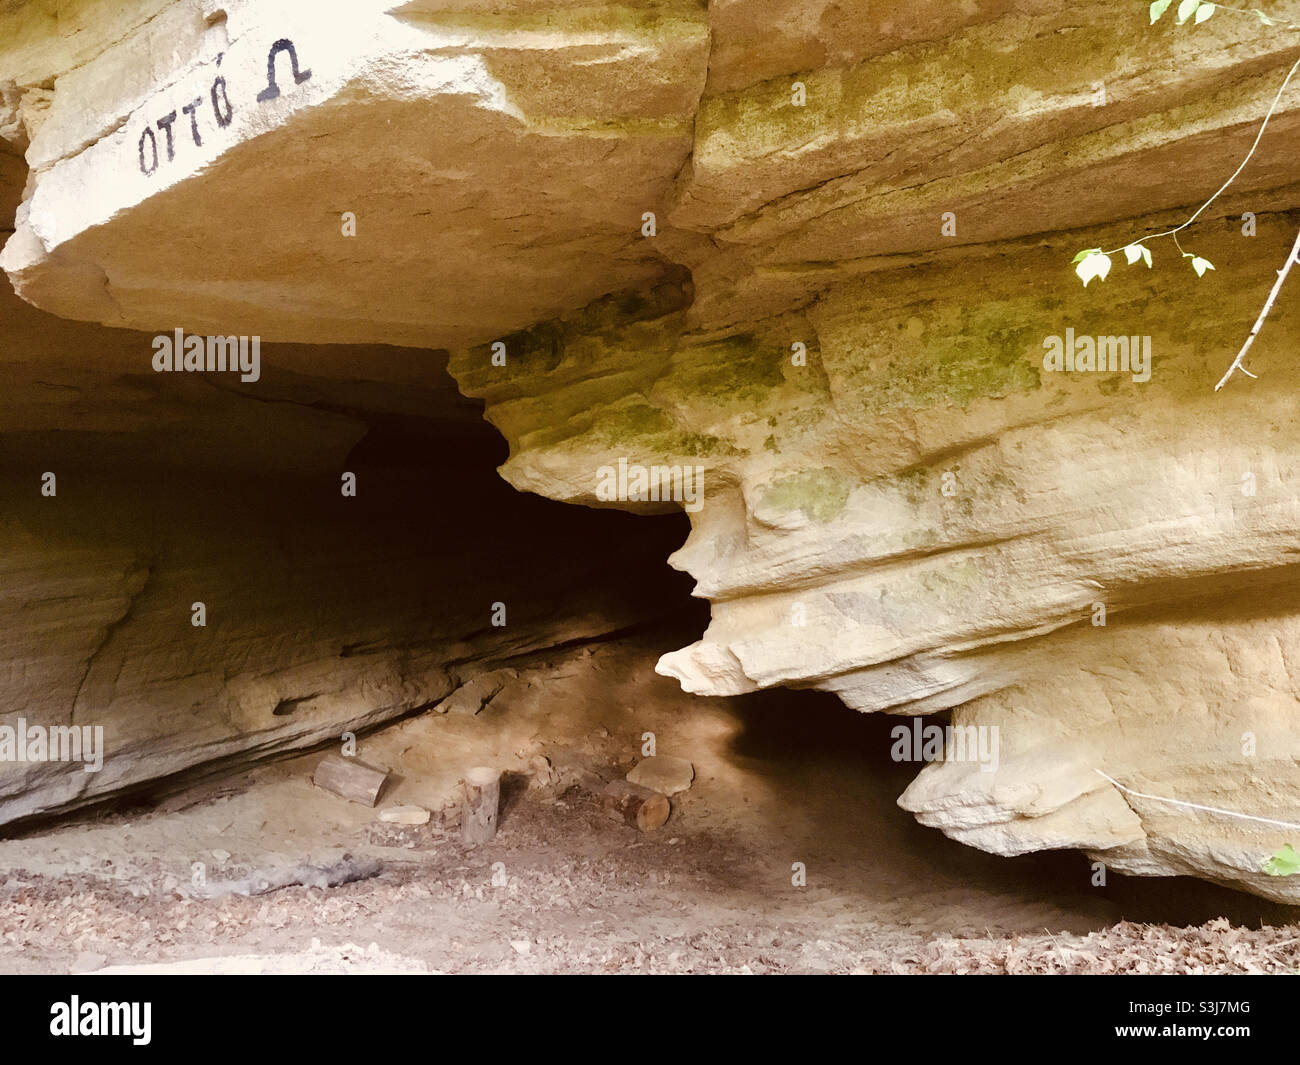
[(781, 779)]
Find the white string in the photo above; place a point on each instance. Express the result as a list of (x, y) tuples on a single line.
[(1197, 806)]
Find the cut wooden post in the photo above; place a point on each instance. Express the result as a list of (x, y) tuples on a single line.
[(350, 779), (640, 807), (478, 811)]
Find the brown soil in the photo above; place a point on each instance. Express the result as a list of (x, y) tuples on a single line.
[(781, 779)]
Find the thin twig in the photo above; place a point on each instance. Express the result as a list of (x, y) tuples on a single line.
[(1259, 322)]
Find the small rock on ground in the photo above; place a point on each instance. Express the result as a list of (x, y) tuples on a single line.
[(404, 815), (663, 773)]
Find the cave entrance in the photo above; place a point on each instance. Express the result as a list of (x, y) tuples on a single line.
[(434, 619)]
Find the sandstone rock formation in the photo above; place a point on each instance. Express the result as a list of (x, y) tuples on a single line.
[(812, 251)]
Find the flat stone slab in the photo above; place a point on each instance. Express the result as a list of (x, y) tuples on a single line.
[(663, 773), (404, 815)]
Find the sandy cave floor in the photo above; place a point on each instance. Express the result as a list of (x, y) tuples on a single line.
[(780, 778)]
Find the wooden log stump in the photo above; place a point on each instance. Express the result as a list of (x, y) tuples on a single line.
[(639, 807), (350, 779), (478, 811)]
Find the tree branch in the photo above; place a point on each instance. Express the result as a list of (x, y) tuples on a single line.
[(1259, 322)]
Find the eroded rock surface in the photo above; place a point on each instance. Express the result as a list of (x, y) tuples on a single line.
[(839, 322)]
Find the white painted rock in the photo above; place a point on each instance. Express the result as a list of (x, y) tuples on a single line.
[(663, 773), (404, 815)]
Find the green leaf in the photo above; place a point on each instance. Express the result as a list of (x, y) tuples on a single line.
[(1264, 18), (1159, 8), (1084, 254), (1285, 862), (1096, 264), (1202, 13), (1186, 9), (1201, 265)]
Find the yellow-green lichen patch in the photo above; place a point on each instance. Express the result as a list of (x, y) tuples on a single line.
[(622, 320), (949, 575), (930, 86), (913, 483), (663, 23), (642, 431), (819, 494), (990, 350), (737, 371), (621, 327), (792, 426), (762, 120)]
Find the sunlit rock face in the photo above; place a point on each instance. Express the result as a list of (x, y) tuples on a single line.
[(197, 167), (810, 258)]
